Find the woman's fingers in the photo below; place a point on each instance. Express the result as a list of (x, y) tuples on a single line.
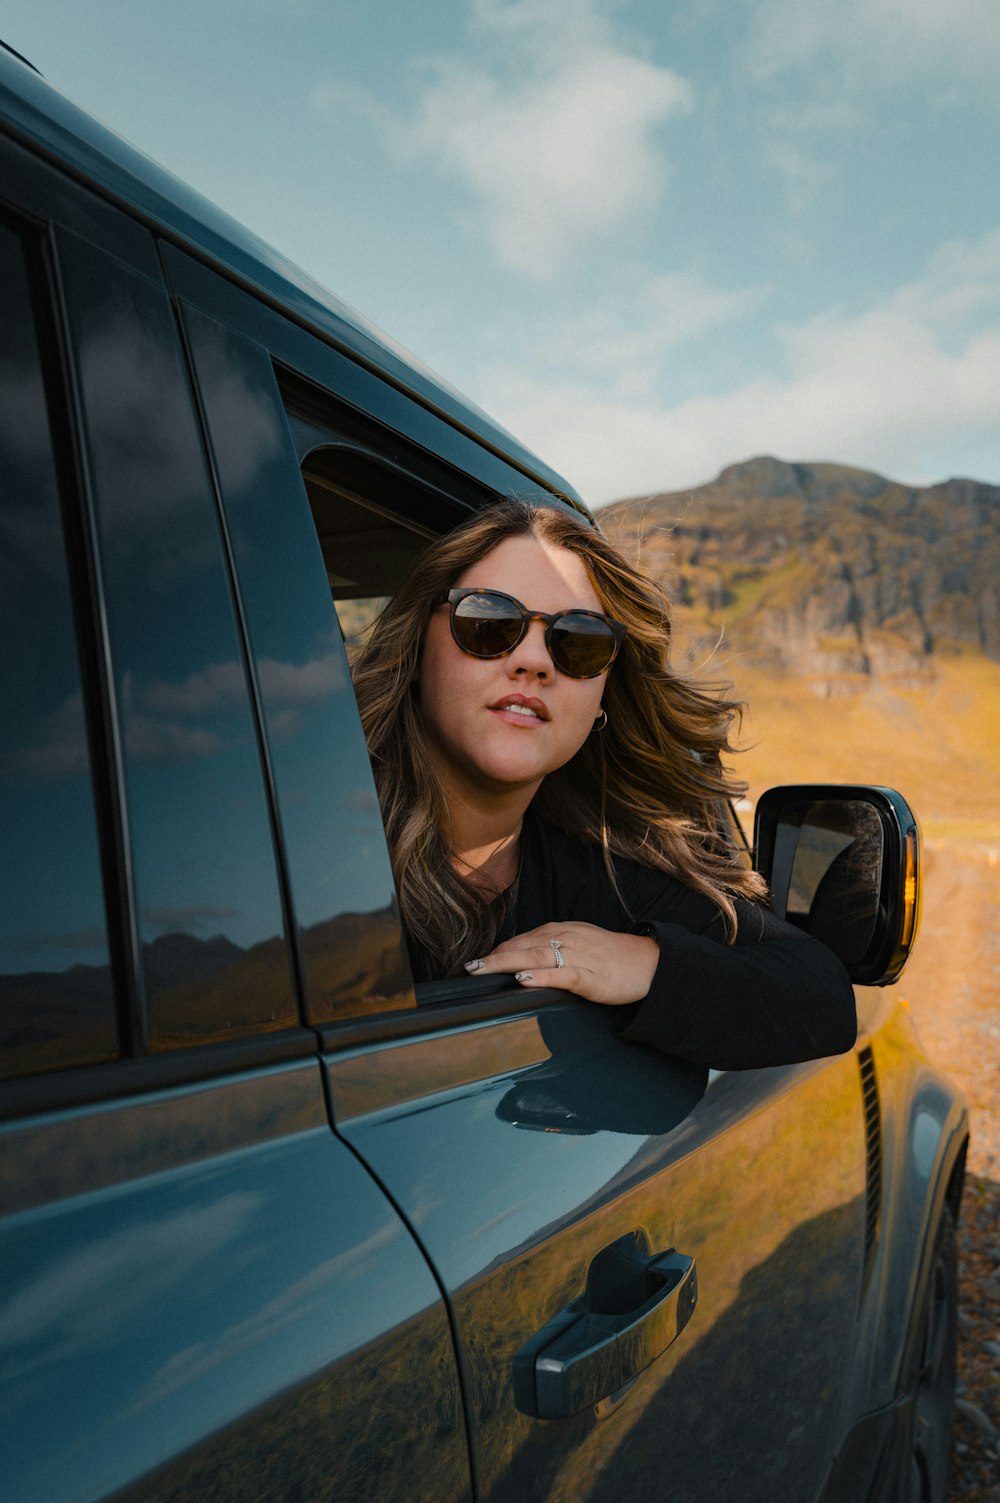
[(514, 956), (598, 964), (538, 949), (534, 966), (563, 978)]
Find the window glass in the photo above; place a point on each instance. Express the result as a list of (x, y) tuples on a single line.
[(353, 954), (56, 999), (214, 959), (366, 553), (357, 617)]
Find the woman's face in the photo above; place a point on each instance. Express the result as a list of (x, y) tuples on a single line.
[(498, 724)]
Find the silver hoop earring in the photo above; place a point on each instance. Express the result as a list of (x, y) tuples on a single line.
[(601, 720)]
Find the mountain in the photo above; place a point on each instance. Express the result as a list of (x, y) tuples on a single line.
[(831, 574)]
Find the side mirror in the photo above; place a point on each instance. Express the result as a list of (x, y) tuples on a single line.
[(842, 862)]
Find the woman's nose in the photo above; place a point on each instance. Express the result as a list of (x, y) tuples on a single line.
[(530, 657)]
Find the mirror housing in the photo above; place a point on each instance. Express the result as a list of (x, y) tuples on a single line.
[(843, 862)]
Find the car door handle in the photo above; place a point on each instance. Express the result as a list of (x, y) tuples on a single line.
[(586, 1354)]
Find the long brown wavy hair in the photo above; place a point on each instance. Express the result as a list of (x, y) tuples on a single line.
[(648, 787)]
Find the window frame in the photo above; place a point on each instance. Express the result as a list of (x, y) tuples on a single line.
[(91, 650)]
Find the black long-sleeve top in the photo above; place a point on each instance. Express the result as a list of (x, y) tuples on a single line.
[(773, 997)]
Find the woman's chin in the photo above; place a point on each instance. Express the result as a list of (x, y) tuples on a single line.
[(517, 772)]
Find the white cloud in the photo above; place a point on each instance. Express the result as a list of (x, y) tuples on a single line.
[(574, 25), (961, 281), (553, 127), (558, 161), (824, 74), (624, 338), (901, 388), (890, 40)]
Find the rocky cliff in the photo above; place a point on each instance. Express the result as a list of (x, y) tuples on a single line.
[(833, 574)]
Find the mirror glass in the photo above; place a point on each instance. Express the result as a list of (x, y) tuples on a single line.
[(826, 871)]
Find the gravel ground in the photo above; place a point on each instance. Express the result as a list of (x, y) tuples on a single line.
[(975, 1454), (953, 985)]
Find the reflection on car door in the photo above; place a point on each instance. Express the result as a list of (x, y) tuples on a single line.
[(519, 1148)]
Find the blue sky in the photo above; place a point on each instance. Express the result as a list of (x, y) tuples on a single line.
[(650, 239)]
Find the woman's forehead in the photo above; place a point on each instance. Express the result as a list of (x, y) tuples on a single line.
[(542, 575)]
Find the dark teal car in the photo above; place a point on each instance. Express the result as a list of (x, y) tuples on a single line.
[(274, 1222)]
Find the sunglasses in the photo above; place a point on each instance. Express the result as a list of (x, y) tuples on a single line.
[(489, 624)]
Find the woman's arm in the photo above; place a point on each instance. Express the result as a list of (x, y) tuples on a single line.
[(774, 997)]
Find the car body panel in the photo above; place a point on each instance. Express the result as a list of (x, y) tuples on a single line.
[(924, 1132), (196, 1281)]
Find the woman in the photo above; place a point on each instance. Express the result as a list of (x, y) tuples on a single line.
[(552, 795)]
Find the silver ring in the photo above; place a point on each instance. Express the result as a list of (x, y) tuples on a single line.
[(556, 946)]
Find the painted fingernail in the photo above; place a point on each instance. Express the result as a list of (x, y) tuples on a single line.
[(474, 965), (524, 975)]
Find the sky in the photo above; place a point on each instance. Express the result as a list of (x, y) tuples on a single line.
[(651, 239)]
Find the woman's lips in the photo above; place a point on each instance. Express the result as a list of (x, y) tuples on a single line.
[(519, 709)]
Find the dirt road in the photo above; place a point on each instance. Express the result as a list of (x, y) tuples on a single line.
[(953, 985)]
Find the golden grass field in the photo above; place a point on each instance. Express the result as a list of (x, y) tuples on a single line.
[(939, 745)]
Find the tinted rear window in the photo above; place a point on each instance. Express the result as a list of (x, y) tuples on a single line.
[(56, 996)]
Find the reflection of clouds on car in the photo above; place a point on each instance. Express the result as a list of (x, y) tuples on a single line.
[(80, 1302), (23, 429), (308, 1299), (292, 683), (214, 685), (218, 684), (159, 715), (139, 392), (25, 526), (360, 800), (56, 745), (194, 916), (248, 434), (151, 740)]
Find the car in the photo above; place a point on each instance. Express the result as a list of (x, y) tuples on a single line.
[(274, 1221)]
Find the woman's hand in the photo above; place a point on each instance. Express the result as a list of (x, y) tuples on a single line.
[(597, 963)]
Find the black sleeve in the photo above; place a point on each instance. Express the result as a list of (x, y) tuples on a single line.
[(774, 997)]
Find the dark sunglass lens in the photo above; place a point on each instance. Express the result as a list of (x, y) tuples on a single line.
[(486, 625), (581, 646)]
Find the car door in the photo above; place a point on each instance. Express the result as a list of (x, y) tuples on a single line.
[(204, 1293), (525, 1147)]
